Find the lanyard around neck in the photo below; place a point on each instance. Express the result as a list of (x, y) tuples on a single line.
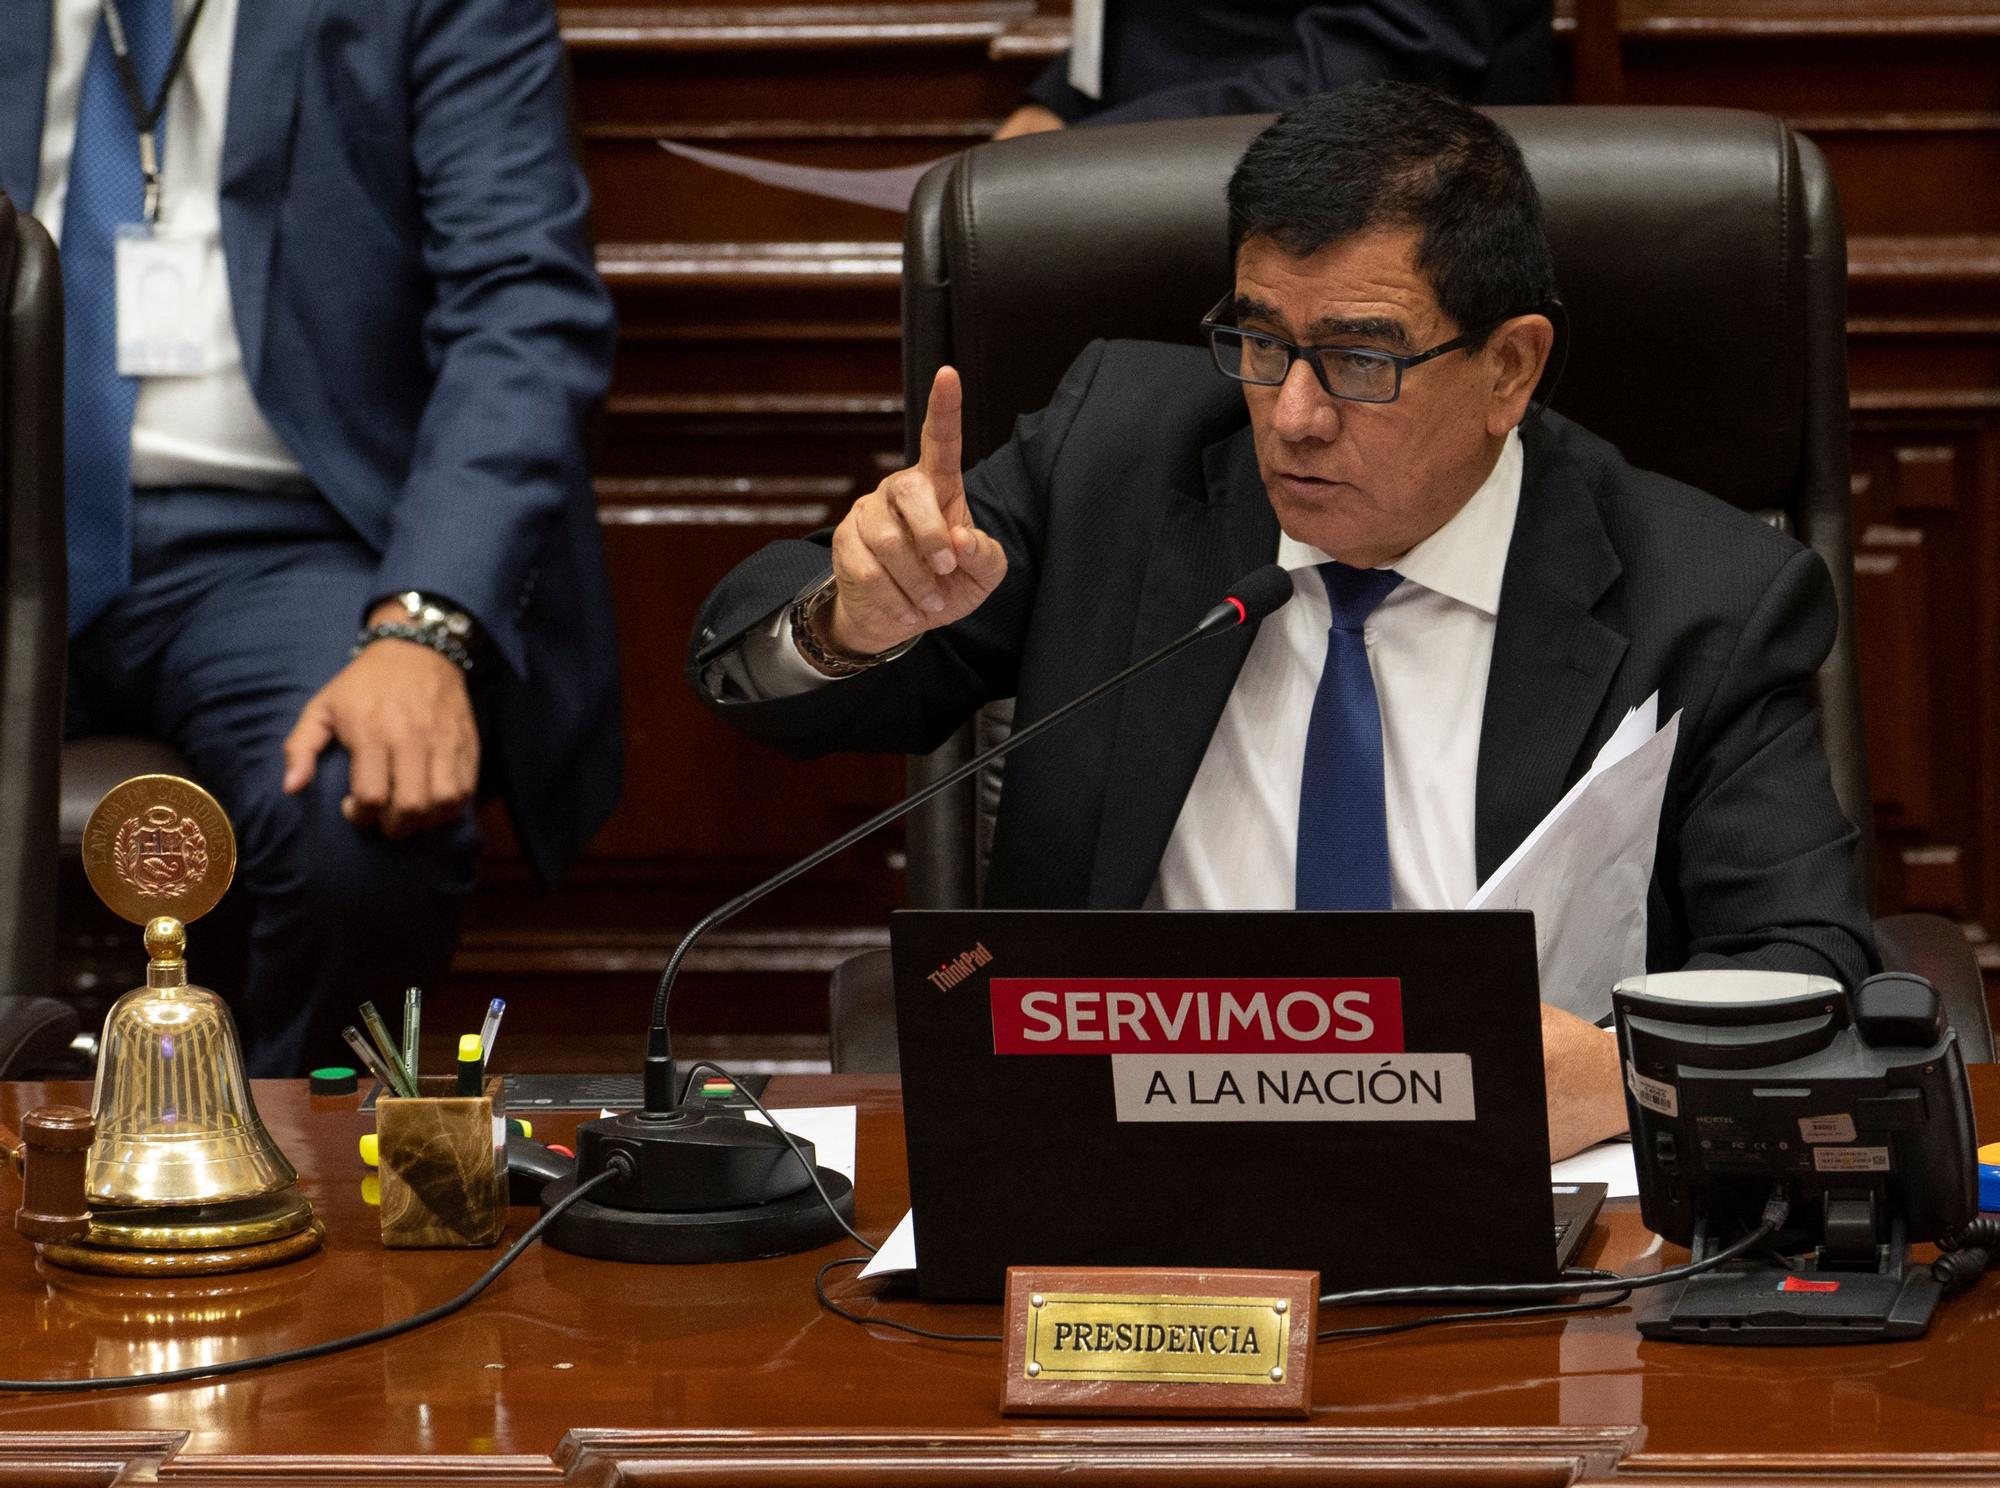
[(145, 116)]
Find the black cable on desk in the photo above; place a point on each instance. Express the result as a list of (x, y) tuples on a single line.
[(876, 1320), (820, 1188), (1492, 1314), (333, 1345), (1776, 1210)]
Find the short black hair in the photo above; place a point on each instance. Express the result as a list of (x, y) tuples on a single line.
[(1387, 155)]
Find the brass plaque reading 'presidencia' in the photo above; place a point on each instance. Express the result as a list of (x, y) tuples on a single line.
[(159, 845), (1192, 1340), (1153, 1342)]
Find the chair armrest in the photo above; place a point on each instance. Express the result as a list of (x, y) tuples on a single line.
[(34, 1032), (1936, 949)]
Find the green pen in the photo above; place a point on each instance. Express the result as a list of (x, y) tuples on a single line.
[(372, 1061), (379, 1031)]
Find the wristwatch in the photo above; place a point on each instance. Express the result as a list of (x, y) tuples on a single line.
[(429, 621)]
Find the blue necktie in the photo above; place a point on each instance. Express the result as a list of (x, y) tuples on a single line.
[(1343, 860), (106, 189)]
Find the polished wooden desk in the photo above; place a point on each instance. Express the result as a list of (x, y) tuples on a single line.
[(574, 1371)]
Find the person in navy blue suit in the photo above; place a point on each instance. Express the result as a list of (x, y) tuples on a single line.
[(331, 526), (1192, 59)]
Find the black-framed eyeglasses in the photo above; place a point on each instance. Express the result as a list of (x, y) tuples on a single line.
[(1357, 373)]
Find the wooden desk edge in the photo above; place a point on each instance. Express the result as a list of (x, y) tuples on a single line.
[(1116, 1455), (1113, 1455), (1121, 1455)]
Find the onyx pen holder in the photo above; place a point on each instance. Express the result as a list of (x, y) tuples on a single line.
[(443, 1163)]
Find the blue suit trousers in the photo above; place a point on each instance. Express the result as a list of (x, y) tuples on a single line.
[(242, 606)]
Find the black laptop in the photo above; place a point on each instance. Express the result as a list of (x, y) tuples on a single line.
[(1358, 1094)]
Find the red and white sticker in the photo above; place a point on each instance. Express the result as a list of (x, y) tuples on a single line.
[(1323, 1087), (1826, 1128), (1807, 1284), (1851, 1159), (1197, 1015)]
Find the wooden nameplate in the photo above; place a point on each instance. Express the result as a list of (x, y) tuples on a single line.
[(1130, 1342)]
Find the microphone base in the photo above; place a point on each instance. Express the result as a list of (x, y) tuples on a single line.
[(689, 1237), (699, 1184)]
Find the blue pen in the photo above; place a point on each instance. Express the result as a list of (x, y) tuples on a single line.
[(489, 1031)]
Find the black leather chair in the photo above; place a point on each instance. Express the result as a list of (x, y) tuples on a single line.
[(93, 765), (1700, 253), (34, 1029)]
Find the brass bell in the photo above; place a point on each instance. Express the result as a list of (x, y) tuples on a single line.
[(179, 1177), (175, 1120)]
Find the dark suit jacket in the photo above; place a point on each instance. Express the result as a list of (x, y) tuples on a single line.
[(1133, 500), (1192, 59), (423, 325)]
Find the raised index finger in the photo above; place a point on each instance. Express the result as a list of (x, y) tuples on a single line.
[(940, 447)]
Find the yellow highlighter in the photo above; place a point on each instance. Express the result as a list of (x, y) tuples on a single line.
[(471, 1064)]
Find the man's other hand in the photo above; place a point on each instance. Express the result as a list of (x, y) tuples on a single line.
[(1029, 118), (906, 557), (1586, 1101), (405, 718)]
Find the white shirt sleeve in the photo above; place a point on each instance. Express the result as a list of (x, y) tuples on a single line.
[(764, 666)]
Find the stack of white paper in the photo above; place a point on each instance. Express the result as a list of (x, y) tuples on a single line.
[(1585, 869)]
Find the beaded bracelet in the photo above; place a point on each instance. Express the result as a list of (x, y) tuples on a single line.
[(824, 656)]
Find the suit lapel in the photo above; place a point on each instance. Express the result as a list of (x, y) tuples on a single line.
[(24, 85), (1165, 720), (1552, 659), (256, 153)]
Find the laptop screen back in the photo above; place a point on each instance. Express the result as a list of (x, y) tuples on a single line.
[(1359, 1094)]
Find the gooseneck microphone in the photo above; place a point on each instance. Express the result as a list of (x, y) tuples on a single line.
[(1255, 596), (709, 1185)]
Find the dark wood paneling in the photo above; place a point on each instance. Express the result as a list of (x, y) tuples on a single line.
[(1904, 98), (863, 91), (639, 187), (757, 318)]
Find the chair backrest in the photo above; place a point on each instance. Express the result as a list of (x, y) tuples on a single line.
[(33, 607), (1699, 252)]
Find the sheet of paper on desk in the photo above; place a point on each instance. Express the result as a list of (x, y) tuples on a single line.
[(1609, 1163), (1584, 870), (829, 1128), (888, 188), (898, 1252)]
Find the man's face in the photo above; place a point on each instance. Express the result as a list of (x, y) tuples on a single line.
[(1365, 482)]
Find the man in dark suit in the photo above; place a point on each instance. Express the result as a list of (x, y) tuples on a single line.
[(1478, 601), (1169, 59), (335, 541)]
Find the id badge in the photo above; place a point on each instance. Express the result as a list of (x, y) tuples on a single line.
[(1086, 47), (158, 287)]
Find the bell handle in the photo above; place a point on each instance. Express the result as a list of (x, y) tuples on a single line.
[(57, 1139)]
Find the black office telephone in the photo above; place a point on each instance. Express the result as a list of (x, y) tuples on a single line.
[(1849, 1109)]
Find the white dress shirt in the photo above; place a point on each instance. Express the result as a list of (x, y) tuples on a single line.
[(205, 429), (1430, 645)]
